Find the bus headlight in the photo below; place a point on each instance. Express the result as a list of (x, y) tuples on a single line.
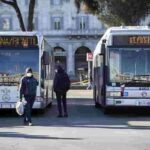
[(113, 93)]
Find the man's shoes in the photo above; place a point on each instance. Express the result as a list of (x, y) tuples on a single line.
[(59, 116), (30, 124)]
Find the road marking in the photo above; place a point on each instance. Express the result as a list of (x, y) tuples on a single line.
[(139, 123)]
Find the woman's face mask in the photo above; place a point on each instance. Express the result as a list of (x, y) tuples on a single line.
[(29, 74)]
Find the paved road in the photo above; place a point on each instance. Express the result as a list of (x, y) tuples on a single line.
[(86, 128)]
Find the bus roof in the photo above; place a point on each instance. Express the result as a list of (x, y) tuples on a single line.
[(128, 30), (122, 30), (19, 33)]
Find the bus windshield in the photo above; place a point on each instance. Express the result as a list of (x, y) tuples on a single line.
[(129, 65), (14, 62)]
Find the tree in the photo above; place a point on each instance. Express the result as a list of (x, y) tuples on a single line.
[(14, 4), (116, 12), (31, 15)]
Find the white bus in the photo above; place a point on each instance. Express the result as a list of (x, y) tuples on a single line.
[(19, 50), (121, 67)]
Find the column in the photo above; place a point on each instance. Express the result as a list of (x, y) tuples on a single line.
[(70, 61)]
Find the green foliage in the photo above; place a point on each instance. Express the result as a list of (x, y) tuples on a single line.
[(118, 12)]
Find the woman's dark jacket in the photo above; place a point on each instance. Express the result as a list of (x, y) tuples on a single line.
[(28, 86)]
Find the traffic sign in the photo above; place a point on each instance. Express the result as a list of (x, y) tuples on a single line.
[(89, 56)]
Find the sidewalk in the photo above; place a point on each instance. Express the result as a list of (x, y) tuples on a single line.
[(78, 86), (80, 93), (79, 97)]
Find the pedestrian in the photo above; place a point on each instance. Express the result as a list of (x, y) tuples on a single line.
[(90, 84), (61, 86), (28, 86)]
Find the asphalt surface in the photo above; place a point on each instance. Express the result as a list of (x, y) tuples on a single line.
[(86, 128)]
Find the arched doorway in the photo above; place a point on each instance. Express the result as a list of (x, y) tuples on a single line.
[(81, 65), (60, 56)]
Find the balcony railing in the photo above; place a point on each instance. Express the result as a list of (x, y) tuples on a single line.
[(73, 32)]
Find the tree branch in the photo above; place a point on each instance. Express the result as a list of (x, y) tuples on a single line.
[(31, 15), (14, 4), (7, 2)]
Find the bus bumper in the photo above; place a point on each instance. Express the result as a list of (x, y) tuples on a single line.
[(128, 102), (12, 105)]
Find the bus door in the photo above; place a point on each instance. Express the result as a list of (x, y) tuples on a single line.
[(45, 77), (99, 80)]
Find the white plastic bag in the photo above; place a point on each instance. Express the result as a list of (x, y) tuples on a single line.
[(20, 108)]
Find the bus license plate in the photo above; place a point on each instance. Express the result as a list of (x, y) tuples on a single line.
[(5, 105)]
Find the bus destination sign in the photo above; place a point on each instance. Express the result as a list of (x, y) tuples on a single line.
[(18, 42), (131, 40)]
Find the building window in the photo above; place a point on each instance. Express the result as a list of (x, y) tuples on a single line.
[(57, 23), (82, 22), (56, 2), (5, 23)]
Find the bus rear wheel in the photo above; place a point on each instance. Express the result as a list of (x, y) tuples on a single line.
[(97, 105)]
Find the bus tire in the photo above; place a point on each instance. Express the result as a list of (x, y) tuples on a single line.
[(42, 110), (97, 105), (49, 105)]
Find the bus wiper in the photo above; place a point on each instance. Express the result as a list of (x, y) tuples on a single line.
[(141, 77), (137, 79), (9, 80)]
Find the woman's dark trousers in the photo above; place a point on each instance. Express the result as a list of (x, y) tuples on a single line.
[(28, 108)]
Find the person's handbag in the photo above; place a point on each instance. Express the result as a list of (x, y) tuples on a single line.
[(20, 108)]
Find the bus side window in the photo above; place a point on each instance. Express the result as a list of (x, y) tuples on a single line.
[(42, 75), (44, 68), (45, 58), (45, 75), (101, 73)]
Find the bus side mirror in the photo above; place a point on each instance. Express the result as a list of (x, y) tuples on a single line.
[(45, 58), (102, 49)]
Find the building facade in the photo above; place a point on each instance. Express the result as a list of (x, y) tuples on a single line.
[(71, 34)]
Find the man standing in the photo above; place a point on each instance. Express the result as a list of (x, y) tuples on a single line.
[(27, 90), (61, 86)]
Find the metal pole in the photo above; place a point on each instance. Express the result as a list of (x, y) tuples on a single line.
[(89, 72)]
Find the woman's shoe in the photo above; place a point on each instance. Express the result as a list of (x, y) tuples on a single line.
[(25, 123), (66, 115), (30, 124)]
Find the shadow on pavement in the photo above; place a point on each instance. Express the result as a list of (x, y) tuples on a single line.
[(20, 135)]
